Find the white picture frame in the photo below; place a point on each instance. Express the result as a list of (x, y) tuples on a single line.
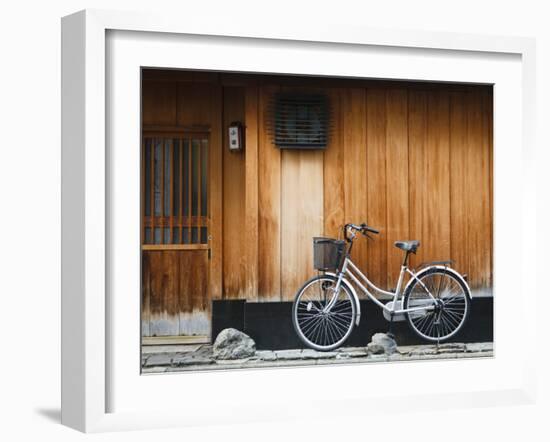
[(98, 351)]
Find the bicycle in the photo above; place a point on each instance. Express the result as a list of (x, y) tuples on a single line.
[(435, 301)]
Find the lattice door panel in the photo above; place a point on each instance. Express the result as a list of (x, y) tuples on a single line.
[(175, 190)]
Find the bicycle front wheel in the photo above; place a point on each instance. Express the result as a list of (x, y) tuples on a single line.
[(319, 329), (447, 297)]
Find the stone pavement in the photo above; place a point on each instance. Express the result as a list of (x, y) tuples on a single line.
[(179, 358)]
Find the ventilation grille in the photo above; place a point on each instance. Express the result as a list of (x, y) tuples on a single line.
[(300, 121)]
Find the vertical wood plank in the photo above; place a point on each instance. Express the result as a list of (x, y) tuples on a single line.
[(301, 212), (479, 232), (234, 190), (489, 146), (198, 173), (397, 178), (161, 267), (355, 165), (251, 192), (334, 198), (182, 174), (215, 193), (145, 296), (301, 216), (311, 220), (418, 188), (171, 190), (194, 315), (190, 188), (162, 190), (376, 194), (291, 225), (458, 181), (152, 191), (143, 192), (269, 207), (437, 224)]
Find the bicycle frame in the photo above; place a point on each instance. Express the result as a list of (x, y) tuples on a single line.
[(351, 270)]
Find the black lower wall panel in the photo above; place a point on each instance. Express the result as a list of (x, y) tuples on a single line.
[(270, 324), (227, 314)]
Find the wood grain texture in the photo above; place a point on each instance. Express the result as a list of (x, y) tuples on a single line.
[(418, 186), (437, 223), (397, 179), (479, 210), (145, 297), (215, 194), (488, 112), (251, 192), (301, 212), (158, 103), (459, 180), (414, 160), (377, 265), (292, 253), (175, 284), (194, 101), (160, 276), (269, 207), (333, 179), (301, 216), (234, 196), (195, 286), (471, 186), (354, 126)]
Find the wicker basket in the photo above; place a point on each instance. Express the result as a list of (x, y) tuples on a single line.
[(328, 253)]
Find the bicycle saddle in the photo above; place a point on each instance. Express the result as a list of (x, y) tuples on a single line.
[(407, 246)]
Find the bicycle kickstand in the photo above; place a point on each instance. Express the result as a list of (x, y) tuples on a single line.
[(390, 331)]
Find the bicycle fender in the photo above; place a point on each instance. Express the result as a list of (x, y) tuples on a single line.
[(355, 297), (448, 269)]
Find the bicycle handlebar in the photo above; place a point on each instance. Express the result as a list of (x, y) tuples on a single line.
[(363, 228)]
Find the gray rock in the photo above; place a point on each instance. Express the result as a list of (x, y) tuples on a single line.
[(375, 349), (387, 343), (233, 344)]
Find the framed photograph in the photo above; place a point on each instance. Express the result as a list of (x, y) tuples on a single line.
[(237, 203)]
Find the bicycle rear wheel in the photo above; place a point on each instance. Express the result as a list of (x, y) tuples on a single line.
[(316, 328), (447, 314)]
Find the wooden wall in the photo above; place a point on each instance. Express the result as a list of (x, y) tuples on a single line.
[(412, 159)]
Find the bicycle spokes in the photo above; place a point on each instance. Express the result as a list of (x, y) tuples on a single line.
[(318, 326), (447, 300)]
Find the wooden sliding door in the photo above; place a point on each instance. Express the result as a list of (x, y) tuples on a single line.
[(176, 236)]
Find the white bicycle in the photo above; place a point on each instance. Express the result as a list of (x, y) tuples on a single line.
[(435, 301)]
